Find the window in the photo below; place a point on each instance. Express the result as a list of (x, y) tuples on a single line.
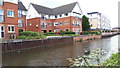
[(30, 24), (77, 17), (66, 30), (55, 30), (1, 2), (49, 24), (60, 15), (73, 23), (20, 23), (77, 24), (66, 23), (20, 30), (11, 29), (10, 13), (49, 16), (66, 14), (1, 15), (43, 17), (20, 14), (43, 25), (55, 23), (2, 32), (60, 23), (55, 16)]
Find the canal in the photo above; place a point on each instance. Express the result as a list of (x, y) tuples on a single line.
[(57, 55)]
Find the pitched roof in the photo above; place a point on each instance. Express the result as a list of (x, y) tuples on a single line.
[(21, 6), (42, 9), (54, 11)]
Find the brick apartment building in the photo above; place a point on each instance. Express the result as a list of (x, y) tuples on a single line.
[(12, 18), (43, 19)]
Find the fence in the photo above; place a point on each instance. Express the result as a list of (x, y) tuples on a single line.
[(23, 45)]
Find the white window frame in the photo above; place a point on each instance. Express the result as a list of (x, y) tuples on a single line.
[(30, 24), (20, 13), (2, 15), (50, 24), (20, 23), (45, 25), (11, 29), (56, 23), (66, 23), (11, 14), (2, 31), (55, 30)]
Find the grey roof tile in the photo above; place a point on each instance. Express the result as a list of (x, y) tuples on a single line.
[(54, 11), (21, 6)]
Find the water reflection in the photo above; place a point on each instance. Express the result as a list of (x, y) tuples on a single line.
[(56, 55)]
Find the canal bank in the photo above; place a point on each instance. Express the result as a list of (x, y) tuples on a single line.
[(15, 45), (57, 55)]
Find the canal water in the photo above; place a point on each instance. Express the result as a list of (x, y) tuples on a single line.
[(57, 55)]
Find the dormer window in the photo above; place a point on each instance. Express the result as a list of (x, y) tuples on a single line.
[(66, 14), (43, 17), (49, 16), (60, 15), (55, 16)]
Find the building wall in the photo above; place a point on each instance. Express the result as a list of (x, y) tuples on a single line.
[(33, 22), (11, 21), (63, 27), (24, 22)]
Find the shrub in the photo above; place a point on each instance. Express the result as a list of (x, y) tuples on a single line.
[(91, 33), (29, 33), (49, 33), (21, 37), (67, 32), (81, 40), (71, 35)]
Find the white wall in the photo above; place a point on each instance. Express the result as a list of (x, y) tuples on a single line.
[(32, 13), (78, 10), (12, 1)]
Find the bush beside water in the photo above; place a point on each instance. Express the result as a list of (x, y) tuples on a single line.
[(30, 35), (91, 33)]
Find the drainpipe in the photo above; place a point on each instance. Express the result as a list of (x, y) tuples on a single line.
[(70, 22)]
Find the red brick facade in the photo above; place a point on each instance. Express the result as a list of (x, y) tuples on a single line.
[(34, 24), (11, 21)]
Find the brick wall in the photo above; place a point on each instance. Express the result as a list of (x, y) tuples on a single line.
[(86, 37), (38, 21)]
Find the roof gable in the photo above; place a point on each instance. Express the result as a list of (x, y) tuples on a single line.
[(21, 6), (54, 11)]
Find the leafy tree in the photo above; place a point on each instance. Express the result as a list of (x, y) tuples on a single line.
[(85, 24)]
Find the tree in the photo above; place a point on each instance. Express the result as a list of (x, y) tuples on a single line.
[(85, 23)]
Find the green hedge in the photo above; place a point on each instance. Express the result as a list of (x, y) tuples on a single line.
[(30, 35), (91, 33), (67, 32)]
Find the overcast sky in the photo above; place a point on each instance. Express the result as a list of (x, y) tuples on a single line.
[(107, 7)]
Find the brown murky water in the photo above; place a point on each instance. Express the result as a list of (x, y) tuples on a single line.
[(56, 55)]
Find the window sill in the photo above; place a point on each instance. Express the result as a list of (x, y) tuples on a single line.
[(10, 17), (11, 32)]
